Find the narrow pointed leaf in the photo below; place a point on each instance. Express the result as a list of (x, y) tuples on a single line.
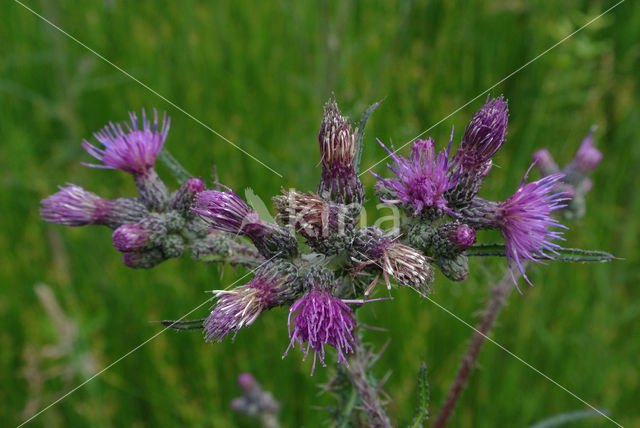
[(184, 325), (564, 254), (360, 138)]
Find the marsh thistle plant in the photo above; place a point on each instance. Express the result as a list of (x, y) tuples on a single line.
[(318, 259)]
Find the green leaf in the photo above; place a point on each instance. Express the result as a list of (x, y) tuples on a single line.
[(564, 254), (564, 418), (360, 138), (184, 325), (422, 411), (174, 166)]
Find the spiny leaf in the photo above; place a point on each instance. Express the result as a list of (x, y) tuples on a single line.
[(174, 166), (564, 254), (360, 137), (422, 411)]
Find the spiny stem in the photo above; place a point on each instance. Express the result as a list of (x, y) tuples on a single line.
[(498, 298), (367, 392)]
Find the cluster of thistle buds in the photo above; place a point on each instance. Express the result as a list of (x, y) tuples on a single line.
[(157, 224), (316, 259)]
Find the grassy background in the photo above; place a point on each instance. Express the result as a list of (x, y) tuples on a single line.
[(259, 73)]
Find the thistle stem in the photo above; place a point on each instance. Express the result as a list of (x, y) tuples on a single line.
[(497, 300), (366, 390)]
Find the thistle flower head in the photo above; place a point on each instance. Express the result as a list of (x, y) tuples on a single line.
[(462, 236), (133, 150), (588, 157), (74, 206), (524, 221), (182, 199), (406, 265), (318, 319), (271, 286), (486, 132), (337, 141), (545, 163), (131, 237), (225, 211), (327, 226), (422, 179)]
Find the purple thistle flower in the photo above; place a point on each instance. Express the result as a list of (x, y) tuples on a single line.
[(545, 163), (422, 179), (372, 247), (133, 150), (74, 206), (339, 181), (320, 318), (131, 237), (227, 212), (327, 226), (588, 157), (485, 133), (524, 221), (271, 286)]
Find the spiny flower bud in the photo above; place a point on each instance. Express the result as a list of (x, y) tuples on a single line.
[(143, 259), (486, 132), (483, 137), (339, 182), (327, 226), (131, 237), (407, 265), (452, 238), (227, 212), (318, 319), (422, 180), (146, 233), (456, 268), (585, 162), (183, 198), (273, 284), (74, 206), (172, 246), (210, 249)]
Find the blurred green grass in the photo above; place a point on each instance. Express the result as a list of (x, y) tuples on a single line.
[(259, 73)]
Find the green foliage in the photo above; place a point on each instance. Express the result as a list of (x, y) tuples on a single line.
[(564, 254), (422, 411), (259, 73)]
